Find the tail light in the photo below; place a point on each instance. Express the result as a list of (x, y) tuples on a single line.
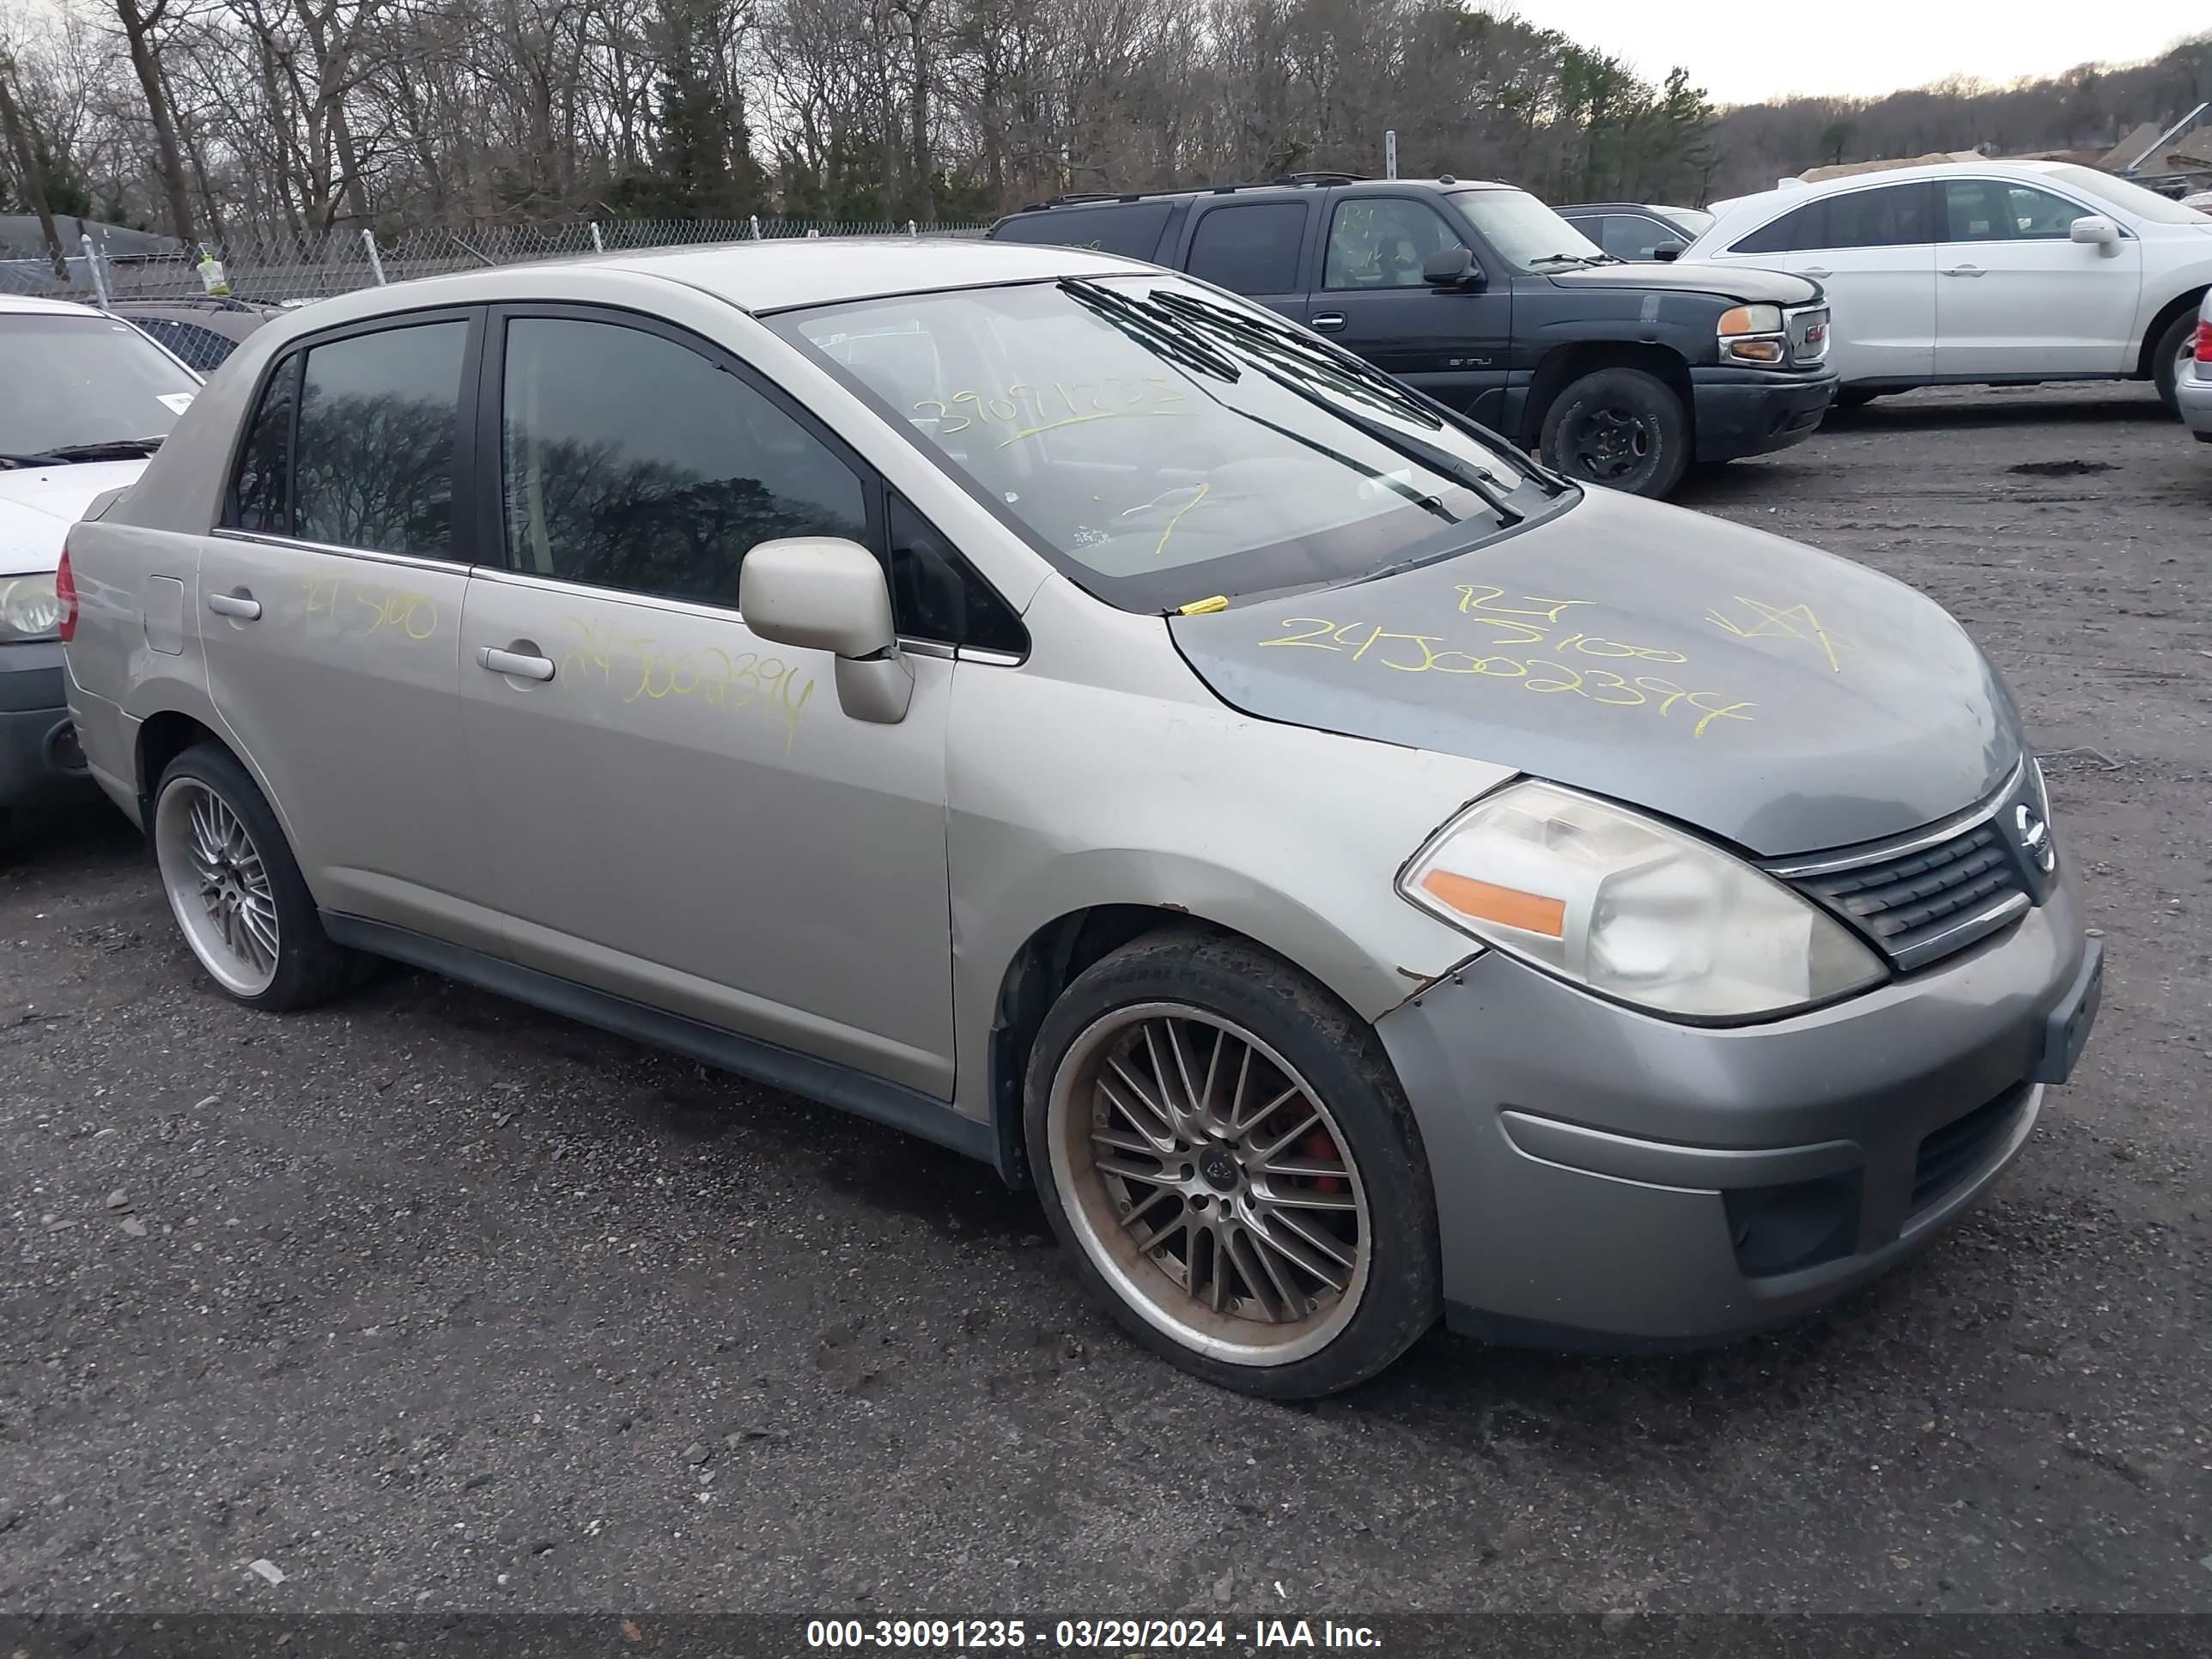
[(2204, 343), (65, 590)]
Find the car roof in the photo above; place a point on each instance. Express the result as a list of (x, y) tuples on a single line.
[(756, 276), (32, 302), (1263, 191), (233, 324), (1798, 191)]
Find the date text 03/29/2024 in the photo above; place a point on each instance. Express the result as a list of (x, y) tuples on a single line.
[(1077, 1635)]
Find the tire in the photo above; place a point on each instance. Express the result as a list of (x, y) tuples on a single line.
[(2165, 359), (1621, 428), (1231, 1285), (235, 890)]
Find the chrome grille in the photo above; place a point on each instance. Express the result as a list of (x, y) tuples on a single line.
[(1921, 897)]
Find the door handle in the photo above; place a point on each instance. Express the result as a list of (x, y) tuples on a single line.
[(1816, 271), (1326, 321), (239, 606), (1963, 270), (523, 665)]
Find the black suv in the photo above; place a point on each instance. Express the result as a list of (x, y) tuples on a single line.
[(1483, 298)]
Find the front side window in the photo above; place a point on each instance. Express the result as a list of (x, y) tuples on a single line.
[(1525, 232), (1995, 210), (1252, 248), (632, 462), (1633, 236), (1383, 242), (1162, 445), (77, 379), (373, 459)]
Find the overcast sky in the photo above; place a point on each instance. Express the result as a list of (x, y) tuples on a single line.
[(1744, 53)]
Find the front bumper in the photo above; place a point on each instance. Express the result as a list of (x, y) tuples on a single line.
[(2193, 390), (1755, 411), (40, 762), (1607, 1179)]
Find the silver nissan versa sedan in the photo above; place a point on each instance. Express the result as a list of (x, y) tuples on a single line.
[(1054, 707)]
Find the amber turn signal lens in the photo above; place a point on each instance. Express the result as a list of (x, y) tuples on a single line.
[(1508, 907)]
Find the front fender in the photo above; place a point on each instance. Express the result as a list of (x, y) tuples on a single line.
[(1066, 795)]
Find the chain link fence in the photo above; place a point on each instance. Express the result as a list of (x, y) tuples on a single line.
[(290, 271)]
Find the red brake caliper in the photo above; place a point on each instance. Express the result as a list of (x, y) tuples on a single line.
[(1320, 1148)]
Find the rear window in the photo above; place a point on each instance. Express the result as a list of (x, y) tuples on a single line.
[(1129, 229)]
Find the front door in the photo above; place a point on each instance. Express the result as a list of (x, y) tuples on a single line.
[(677, 810), (1452, 344), (2016, 295), (330, 614)]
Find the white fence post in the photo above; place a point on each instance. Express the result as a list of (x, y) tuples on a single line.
[(753, 220), (599, 244), (375, 261), (92, 265), (1391, 154), (912, 230)]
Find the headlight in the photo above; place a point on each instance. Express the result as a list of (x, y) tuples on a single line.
[(29, 608), (1753, 334), (1629, 908)]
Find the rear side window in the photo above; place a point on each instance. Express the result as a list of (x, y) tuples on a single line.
[(632, 462), (374, 452), (1895, 216), (1250, 248), (1132, 229), (1800, 227)]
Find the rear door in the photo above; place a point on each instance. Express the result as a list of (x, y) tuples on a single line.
[(329, 608), (1874, 250), (1257, 249), (1450, 343), (2016, 295)]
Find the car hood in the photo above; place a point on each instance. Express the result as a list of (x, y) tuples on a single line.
[(38, 504), (1779, 697), (1773, 288)]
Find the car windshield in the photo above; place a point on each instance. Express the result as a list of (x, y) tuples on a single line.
[(2126, 195), (1164, 444), (1525, 232), (84, 381)]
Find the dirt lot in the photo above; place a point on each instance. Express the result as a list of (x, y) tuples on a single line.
[(435, 1301)]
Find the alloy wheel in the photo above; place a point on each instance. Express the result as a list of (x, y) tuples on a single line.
[(1209, 1184), (218, 886)]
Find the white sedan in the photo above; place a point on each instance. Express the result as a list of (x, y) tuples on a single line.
[(1983, 272)]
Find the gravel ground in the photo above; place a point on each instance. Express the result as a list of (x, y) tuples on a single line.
[(436, 1301)]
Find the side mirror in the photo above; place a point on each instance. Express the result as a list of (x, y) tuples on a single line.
[(1452, 267), (825, 593), (2096, 230), (1667, 255)]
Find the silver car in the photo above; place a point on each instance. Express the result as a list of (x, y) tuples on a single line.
[(1051, 705), (2193, 381)]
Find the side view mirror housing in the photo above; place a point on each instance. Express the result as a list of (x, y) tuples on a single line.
[(1452, 267), (825, 593), (1667, 255), (2096, 230)]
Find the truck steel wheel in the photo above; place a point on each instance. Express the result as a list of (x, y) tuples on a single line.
[(1620, 428), (1223, 1152), (234, 888)]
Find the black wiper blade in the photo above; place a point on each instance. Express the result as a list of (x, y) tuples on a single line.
[(41, 459), (109, 449), (1564, 259), (1466, 474), (1149, 328)]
